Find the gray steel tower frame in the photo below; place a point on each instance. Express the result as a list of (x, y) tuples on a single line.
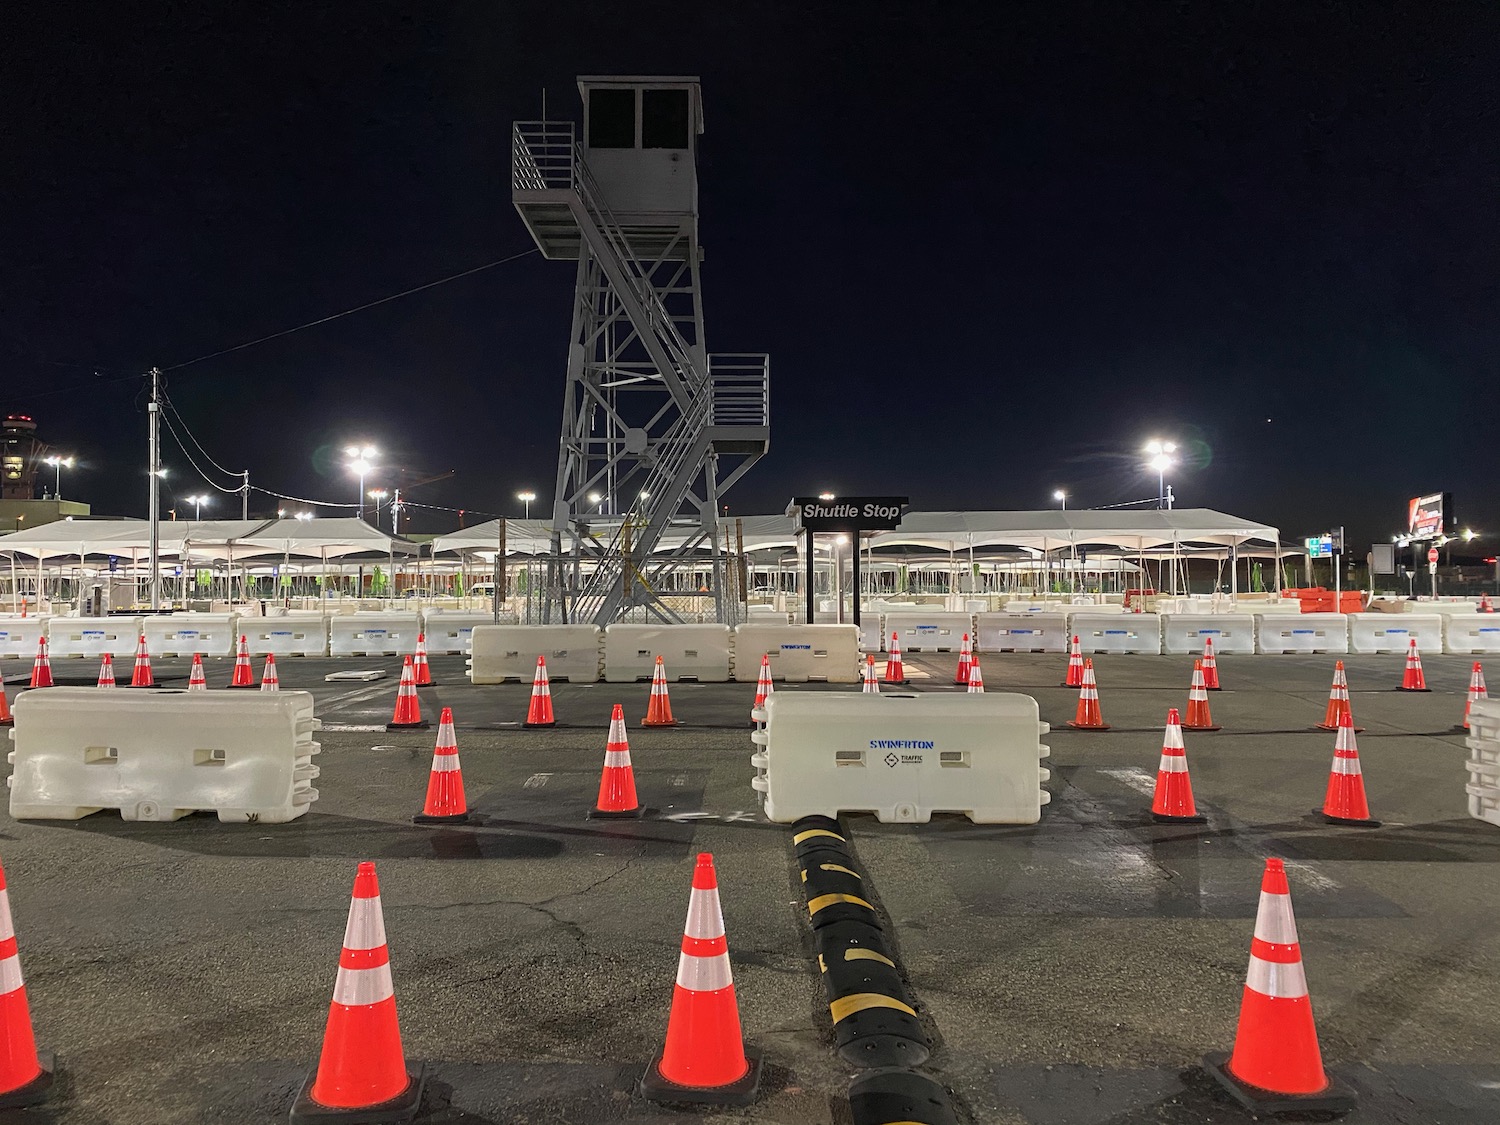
[(655, 429)]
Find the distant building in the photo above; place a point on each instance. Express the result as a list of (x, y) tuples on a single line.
[(20, 457)]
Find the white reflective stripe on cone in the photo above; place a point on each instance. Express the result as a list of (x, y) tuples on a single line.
[(616, 730), (366, 927), (444, 763), (616, 758), (360, 987), (704, 974), (10, 975), (1173, 739), (1173, 763), (7, 927), (1273, 919), (1276, 979), (1345, 765), (704, 918)]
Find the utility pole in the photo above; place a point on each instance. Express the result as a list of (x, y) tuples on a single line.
[(153, 469), (396, 512), (245, 496)]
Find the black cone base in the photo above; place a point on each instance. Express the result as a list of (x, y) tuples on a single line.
[(624, 814), (657, 1089), (1164, 818), (1337, 1098), (420, 724), (402, 1108), (456, 818), (1353, 823), (1075, 726), (38, 1089), (1414, 689), (1186, 727)]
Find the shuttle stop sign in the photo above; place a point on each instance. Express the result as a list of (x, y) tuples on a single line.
[(1432, 554)]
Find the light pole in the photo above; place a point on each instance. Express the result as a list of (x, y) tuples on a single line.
[(526, 498), (197, 502), (1161, 459), (361, 462), (58, 463), (1062, 498), (378, 495)]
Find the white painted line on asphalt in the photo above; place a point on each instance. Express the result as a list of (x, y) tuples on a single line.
[(679, 781), (536, 781), (1135, 777), (346, 727)]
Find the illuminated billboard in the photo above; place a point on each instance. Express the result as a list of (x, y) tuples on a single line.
[(1430, 516)]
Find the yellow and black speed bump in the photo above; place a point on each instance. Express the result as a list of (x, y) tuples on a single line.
[(817, 833), (835, 892), (899, 1097), (874, 1023)]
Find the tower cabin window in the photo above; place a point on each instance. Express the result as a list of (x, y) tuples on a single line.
[(612, 119), (664, 119)]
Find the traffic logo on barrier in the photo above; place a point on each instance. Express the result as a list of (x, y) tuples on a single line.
[(1210, 665), (1088, 716), (1198, 715), (41, 668), (140, 675), (419, 662), (539, 710), (1074, 677), (362, 1072), (106, 671), (704, 1059), (872, 685), (1477, 691), (1276, 1066), (1172, 803), (1413, 679), (617, 798), (244, 675), (196, 681), (25, 1073), (269, 680), (1345, 802), (408, 713), (659, 709), (1338, 701), (445, 803), (965, 659)]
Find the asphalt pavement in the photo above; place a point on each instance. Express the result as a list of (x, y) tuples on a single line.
[(1071, 972)]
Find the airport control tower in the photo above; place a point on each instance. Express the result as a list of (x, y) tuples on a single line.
[(655, 428)]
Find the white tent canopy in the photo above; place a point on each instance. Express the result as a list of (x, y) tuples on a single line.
[(205, 539)]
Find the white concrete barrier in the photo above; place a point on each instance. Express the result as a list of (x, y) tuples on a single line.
[(1392, 632), (1282, 631), (923, 631), (1463, 633), (1022, 632), (293, 634), (373, 634), (689, 652), (871, 632), (161, 755), (92, 637), (1117, 632), (19, 636), (799, 653), (508, 652), (1183, 633), (182, 634), (449, 631), (902, 756)]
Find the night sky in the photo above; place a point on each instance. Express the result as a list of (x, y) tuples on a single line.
[(991, 248)]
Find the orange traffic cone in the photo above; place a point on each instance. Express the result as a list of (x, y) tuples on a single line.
[(408, 714), (965, 658), (1345, 802), (1276, 1066), (196, 682), (106, 671), (362, 1072), (1412, 679), (445, 802), (244, 675), (617, 799), (25, 1073), (705, 1060), (763, 686), (41, 668), (1484, 604), (1172, 802), (894, 672), (659, 710), (1198, 715), (539, 712), (419, 662), (1338, 700), (1210, 666), (1088, 716), (976, 678), (269, 680), (140, 676), (1074, 677), (6, 718), (872, 685), (1477, 691)]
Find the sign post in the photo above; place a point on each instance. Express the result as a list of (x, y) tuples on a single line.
[(848, 515), (1432, 559)]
